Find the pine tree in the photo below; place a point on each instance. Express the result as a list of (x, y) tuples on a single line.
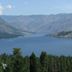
[(33, 63), (17, 60), (44, 62)]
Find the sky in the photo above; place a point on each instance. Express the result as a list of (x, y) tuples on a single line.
[(33, 7)]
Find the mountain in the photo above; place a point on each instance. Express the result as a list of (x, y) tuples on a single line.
[(64, 34), (7, 31), (41, 24), (26, 23)]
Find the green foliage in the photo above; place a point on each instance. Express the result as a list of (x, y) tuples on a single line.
[(45, 63), (17, 60), (33, 63)]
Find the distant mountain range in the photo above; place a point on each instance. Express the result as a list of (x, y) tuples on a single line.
[(38, 24), (64, 34), (7, 31)]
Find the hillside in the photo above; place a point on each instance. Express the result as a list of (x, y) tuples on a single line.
[(65, 34), (7, 31), (41, 24)]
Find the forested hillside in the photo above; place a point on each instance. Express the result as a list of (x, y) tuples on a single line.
[(45, 63)]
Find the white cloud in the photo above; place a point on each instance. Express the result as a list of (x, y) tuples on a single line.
[(9, 6), (5, 7), (1, 9)]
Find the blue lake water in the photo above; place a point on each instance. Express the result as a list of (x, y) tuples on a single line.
[(54, 46)]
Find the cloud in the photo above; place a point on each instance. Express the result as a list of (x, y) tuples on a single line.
[(1, 9), (9, 6), (4, 8)]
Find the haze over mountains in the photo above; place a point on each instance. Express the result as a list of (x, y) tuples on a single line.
[(41, 24), (7, 31)]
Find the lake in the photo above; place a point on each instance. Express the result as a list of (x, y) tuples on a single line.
[(53, 46)]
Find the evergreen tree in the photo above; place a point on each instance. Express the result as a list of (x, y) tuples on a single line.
[(33, 63), (44, 62), (17, 60)]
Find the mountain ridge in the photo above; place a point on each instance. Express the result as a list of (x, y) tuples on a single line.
[(41, 24), (7, 31)]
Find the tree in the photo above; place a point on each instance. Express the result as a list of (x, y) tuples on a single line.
[(33, 63), (17, 60), (44, 62), (26, 64)]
